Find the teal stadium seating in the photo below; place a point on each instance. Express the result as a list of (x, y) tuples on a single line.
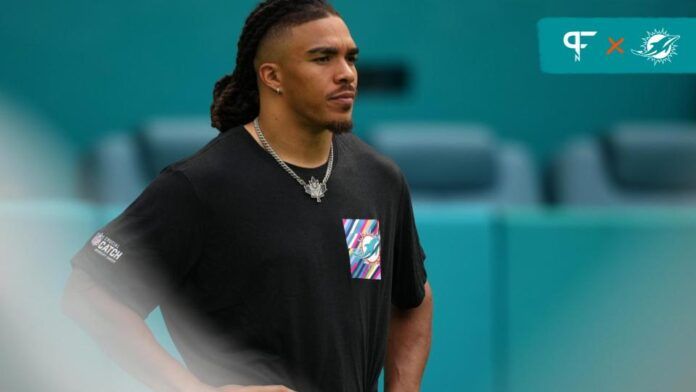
[(459, 162), (118, 168), (635, 164)]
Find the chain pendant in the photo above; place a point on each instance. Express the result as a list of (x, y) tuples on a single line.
[(315, 189)]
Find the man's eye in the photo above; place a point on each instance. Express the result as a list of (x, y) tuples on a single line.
[(322, 59), (353, 59)]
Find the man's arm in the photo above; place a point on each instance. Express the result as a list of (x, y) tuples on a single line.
[(125, 337), (408, 345)]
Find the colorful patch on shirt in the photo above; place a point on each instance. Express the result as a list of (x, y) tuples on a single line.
[(364, 248)]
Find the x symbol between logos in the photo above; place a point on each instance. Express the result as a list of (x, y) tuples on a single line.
[(615, 45)]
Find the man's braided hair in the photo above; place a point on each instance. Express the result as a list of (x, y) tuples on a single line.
[(236, 96)]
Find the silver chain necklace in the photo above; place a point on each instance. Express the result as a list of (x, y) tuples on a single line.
[(315, 189)]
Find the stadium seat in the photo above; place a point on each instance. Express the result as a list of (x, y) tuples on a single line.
[(634, 165), (459, 162), (121, 165)]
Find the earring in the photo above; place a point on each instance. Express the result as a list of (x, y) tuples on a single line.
[(278, 90)]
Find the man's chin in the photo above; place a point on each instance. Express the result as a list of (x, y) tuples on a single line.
[(339, 127)]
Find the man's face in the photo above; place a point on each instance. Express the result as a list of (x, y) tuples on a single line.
[(318, 73)]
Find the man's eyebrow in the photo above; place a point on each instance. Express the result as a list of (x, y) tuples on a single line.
[(331, 50)]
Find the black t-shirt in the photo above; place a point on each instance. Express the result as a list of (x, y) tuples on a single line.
[(258, 283)]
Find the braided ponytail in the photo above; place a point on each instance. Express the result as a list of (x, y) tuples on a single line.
[(236, 96)]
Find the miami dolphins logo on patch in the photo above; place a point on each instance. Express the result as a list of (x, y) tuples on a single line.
[(368, 248), (364, 248)]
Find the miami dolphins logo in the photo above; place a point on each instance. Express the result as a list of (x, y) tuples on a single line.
[(659, 47), (368, 248)]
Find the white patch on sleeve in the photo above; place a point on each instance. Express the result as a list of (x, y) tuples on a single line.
[(106, 247)]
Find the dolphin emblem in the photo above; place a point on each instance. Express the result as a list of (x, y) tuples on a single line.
[(658, 47), (369, 245)]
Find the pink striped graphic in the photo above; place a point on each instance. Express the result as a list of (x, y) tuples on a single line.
[(364, 248)]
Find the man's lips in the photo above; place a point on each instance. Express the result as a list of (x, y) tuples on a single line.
[(345, 97)]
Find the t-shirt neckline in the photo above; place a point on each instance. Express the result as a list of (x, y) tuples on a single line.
[(297, 169)]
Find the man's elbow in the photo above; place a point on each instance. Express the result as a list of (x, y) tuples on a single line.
[(428, 297), (427, 301), (425, 305), (73, 298), (69, 303)]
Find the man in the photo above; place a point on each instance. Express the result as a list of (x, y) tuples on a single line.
[(284, 253)]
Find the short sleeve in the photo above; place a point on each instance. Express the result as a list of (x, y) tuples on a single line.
[(144, 254), (410, 276)]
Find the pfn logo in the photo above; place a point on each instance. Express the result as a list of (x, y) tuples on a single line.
[(576, 43)]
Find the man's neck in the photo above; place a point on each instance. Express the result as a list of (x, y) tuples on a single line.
[(294, 143)]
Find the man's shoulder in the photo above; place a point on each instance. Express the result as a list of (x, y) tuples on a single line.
[(211, 156), (208, 163)]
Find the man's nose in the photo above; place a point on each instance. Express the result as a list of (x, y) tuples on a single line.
[(346, 73)]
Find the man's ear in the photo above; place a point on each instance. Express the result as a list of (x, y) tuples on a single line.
[(269, 74)]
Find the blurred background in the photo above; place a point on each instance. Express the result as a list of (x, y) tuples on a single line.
[(556, 211)]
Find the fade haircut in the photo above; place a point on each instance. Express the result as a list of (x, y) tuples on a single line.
[(236, 96)]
